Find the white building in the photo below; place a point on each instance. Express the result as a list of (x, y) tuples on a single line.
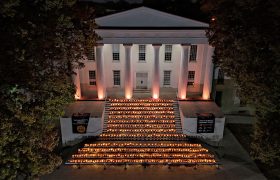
[(147, 50)]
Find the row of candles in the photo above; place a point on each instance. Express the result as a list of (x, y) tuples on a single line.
[(141, 130), (141, 105), (137, 138), (140, 112), (141, 135), (141, 116), (141, 108), (141, 121), (143, 155), (127, 122), (138, 161), (158, 136), (140, 100), (141, 150), (132, 126), (141, 144)]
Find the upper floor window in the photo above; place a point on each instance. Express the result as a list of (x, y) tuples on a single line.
[(193, 52), (116, 52), (142, 52), (191, 76), (91, 54), (168, 53), (117, 77), (92, 78), (166, 78)]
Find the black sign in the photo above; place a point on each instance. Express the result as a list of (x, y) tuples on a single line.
[(80, 122), (205, 123)]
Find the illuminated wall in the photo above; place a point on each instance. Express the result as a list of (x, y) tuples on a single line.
[(198, 66)]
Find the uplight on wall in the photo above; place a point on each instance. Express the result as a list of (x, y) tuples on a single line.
[(100, 96), (77, 97), (206, 95), (183, 96), (128, 95), (155, 96)]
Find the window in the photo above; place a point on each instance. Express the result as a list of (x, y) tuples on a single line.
[(191, 76), (142, 53), (166, 78), (117, 78), (116, 52), (168, 53), (92, 78), (190, 83), (193, 52), (91, 54), (93, 83)]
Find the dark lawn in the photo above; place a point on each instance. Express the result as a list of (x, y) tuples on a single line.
[(243, 133)]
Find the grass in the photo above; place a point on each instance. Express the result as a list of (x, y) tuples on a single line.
[(243, 133)]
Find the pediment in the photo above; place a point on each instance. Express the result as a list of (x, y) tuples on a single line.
[(146, 17)]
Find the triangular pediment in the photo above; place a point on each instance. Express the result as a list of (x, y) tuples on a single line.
[(147, 17)]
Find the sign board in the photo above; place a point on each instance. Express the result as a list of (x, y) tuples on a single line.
[(205, 123), (80, 122)]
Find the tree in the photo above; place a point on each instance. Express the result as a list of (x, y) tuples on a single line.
[(246, 37), (41, 42)]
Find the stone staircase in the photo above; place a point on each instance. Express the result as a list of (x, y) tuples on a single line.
[(106, 114), (178, 123), (142, 131), (141, 90), (148, 120)]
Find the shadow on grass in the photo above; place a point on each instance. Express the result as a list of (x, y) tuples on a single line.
[(243, 133)]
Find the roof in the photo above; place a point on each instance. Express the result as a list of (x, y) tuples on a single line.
[(144, 17)]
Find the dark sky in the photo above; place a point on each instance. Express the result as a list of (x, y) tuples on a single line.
[(185, 8), (130, 1)]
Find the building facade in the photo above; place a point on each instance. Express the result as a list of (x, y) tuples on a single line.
[(145, 50)]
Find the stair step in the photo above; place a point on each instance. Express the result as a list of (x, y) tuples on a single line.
[(168, 141)]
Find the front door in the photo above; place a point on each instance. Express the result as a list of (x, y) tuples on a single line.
[(141, 80)]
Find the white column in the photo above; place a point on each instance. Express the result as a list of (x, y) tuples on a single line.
[(156, 78), (128, 74), (76, 80), (208, 76), (101, 88), (183, 72)]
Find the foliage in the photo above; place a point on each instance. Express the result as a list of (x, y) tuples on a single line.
[(41, 42), (246, 37)]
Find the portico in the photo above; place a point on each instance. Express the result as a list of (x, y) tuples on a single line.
[(169, 52)]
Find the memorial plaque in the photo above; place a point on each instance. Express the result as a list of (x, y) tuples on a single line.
[(80, 122), (205, 123)]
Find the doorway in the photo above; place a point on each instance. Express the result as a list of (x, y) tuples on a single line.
[(141, 80), (218, 98)]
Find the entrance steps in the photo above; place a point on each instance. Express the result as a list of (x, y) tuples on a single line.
[(178, 124), (141, 91), (142, 131)]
